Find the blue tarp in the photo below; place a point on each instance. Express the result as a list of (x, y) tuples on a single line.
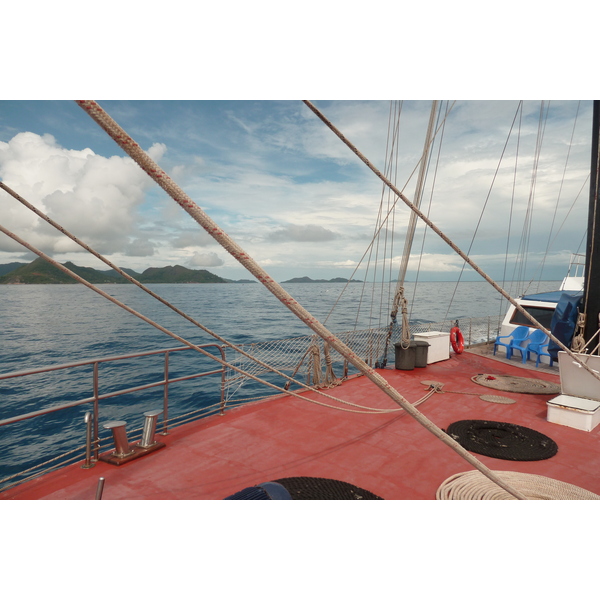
[(564, 321), (545, 296)]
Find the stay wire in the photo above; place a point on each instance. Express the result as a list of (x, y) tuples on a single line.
[(46, 218), (487, 199), (448, 241), (562, 181)]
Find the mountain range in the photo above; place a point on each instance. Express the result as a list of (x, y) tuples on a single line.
[(41, 272)]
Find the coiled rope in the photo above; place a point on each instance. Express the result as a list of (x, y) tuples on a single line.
[(471, 485)]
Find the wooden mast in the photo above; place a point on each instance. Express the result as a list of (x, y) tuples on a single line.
[(591, 293)]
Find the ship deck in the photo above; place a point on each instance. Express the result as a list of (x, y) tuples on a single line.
[(391, 454)]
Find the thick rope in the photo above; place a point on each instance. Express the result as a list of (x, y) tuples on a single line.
[(170, 333), (179, 196), (578, 343), (46, 218), (472, 486), (446, 239)]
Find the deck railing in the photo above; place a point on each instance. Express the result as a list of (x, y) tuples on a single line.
[(285, 355), (93, 441)]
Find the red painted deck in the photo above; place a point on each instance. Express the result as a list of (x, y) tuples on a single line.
[(391, 455)]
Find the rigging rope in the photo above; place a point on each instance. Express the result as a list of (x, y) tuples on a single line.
[(448, 241), (487, 199), (178, 195), (174, 335), (400, 301), (81, 243), (559, 192)]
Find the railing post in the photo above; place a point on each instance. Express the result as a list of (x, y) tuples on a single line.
[(223, 376), (88, 442), (166, 395), (100, 488), (96, 413)]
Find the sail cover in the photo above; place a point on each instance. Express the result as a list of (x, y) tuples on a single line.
[(564, 321)]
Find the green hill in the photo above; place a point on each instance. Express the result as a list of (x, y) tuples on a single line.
[(8, 267), (178, 274), (41, 272)]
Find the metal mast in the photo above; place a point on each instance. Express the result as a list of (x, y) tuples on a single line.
[(591, 293)]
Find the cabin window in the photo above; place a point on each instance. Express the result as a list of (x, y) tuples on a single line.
[(541, 314)]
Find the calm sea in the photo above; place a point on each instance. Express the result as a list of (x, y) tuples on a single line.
[(54, 324)]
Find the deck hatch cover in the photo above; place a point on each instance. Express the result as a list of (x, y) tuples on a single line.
[(502, 440)]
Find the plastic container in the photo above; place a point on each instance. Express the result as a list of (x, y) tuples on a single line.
[(406, 357), (421, 351)]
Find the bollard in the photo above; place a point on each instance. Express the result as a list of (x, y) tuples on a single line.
[(147, 440), (120, 438)]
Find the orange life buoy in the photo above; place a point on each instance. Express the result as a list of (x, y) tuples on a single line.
[(457, 340)]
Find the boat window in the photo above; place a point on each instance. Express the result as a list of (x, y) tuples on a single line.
[(541, 314)]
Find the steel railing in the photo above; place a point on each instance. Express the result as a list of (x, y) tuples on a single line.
[(475, 330), (91, 419)]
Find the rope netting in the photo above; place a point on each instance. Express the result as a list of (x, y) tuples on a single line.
[(293, 356)]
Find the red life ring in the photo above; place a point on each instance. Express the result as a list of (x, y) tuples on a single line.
[(457, 340)]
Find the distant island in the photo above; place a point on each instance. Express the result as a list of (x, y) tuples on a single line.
[(309, 280), (41, 272)]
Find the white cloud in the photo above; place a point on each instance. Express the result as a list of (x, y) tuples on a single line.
[(302, 233), (209, 259), (140, 247), (190, 239), (271, 172), (93, 197), (346, 263)]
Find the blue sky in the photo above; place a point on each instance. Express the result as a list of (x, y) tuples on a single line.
[(260, 163), (288, 191)]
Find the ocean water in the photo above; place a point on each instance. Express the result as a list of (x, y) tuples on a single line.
[(42, 325)]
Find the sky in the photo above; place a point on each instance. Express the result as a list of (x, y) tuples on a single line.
[(216, 100), (291, 194)]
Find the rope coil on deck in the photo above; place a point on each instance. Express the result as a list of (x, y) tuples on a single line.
[(497, 399), (511, 383), (472, 485)]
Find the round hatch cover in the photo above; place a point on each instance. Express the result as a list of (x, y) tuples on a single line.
[(502, 440)]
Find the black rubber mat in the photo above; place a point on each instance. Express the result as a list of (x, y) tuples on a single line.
[(502, 440), (304, 488), (318, 488)]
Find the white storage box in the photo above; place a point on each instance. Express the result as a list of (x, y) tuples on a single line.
[(579, 404), (575, 380), (572, 411), (439, 345)]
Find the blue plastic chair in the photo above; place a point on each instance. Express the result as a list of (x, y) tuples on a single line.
[(539, 346), (519, 335)]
